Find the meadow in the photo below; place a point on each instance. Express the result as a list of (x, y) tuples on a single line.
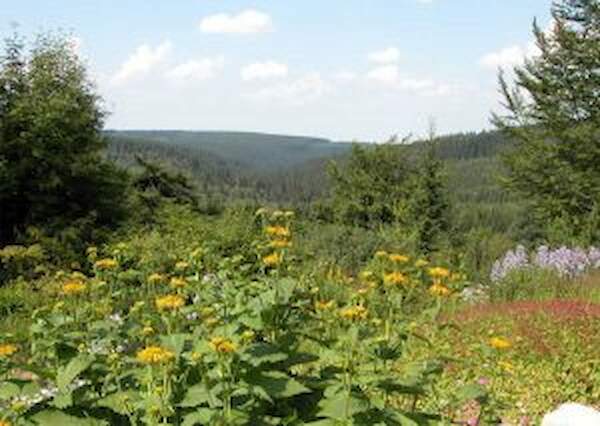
[(248, 318)]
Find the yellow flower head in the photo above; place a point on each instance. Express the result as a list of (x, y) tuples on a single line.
[(152, 355), (170, 302), (395, 278), (156, 278), (182, 266), (73, 287), (357, 312), (438, 272), (421, 263), (439, 290), (273, 259), (381, 253), (399, 258), (7, 350), (177, 282), (278, 231), (5, 423), (222, 345), (323, 306), (500, 343), (106, 264), (280, 244)]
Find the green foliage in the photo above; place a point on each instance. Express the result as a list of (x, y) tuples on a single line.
[(385, 185), (553, 117), (50, 141)]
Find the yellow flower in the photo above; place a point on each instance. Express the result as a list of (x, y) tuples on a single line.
[(106, 264), (394, 278), (181, 266), (438, 272), (323, 306), (381, 253), (156, 278), (170, 302), (154, 355), (177, 282), (421, 263), (73, 287), (7, 350), (277, 231), (272, 259), (439, 290), (500, 343), (357, 312), (222, 345), (280, 244), (399, 258), (5, 422)]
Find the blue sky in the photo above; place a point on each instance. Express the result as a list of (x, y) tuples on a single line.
[(343, 69)]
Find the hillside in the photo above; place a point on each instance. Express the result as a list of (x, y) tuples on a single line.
[(261, 151)]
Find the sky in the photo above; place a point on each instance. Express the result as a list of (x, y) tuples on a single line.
[(342, 69)]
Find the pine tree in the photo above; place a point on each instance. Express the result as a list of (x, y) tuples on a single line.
[(51, 139), (554, 120)]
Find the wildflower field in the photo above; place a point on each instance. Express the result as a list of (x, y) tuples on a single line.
[(187, 325)]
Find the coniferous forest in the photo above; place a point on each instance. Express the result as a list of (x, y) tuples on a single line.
[(153, 277)]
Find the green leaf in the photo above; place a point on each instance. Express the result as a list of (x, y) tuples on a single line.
[(58, 418), (198, 395), (261, 353), (201, 416), (278, 384), (74, 368), (9, 390), (119, 402), (175, 342), (342, 406), (472, 392)]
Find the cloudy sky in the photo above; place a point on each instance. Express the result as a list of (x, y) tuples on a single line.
[(343, 69)]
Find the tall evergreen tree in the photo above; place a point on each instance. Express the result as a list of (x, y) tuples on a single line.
[(554, 119), (51, 123)]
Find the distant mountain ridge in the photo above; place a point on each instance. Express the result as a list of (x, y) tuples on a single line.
[(261, 151)]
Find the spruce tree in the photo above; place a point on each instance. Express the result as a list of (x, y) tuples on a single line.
[(553, 117), (51, 121)]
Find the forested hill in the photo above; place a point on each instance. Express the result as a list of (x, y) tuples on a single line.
[(291, 168), (259, 151)]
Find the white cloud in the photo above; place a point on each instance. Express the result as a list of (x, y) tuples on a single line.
[(391, 55), (141, 62), (246, 22), (515, 55), (264, 70), (345, 76), (509, 56), (196, 70), (389, 76), (298, 92)]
